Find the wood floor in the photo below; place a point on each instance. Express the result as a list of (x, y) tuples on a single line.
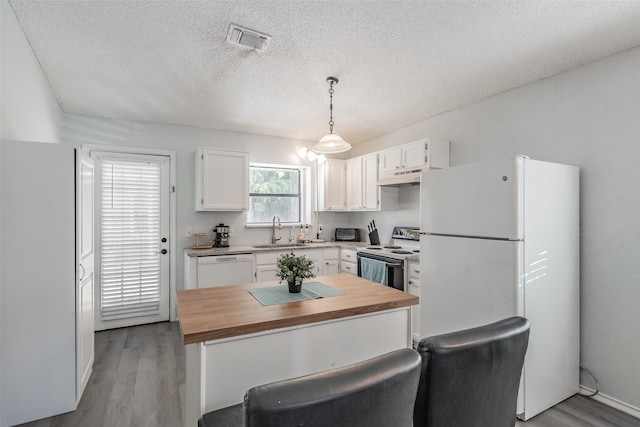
[(138, 381)]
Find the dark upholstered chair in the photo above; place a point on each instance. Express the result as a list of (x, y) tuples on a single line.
[(376, 392), (471, 377)]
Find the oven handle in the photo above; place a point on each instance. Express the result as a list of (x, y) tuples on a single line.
[(381, 258)]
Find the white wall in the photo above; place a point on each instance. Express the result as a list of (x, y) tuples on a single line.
[(29, 110), (588, 117)]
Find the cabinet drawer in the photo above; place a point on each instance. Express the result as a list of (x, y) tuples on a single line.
[(348, 255), (267, 257), (349, 267), (331, 253), (272, 257), (414, 270)]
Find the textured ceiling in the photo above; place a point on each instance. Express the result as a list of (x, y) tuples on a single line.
[(398, 62)]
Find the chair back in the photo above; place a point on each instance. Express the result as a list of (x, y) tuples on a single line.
[(471, 377), (377, 392)]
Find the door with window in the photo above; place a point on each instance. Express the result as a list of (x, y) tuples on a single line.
[(132, 229)]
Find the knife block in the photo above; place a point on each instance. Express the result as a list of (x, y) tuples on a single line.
[(373, 237)]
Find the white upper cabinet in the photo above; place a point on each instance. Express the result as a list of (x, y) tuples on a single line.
[(390, 160), (414, 155), (332, 185), (370, 189), (423, 153), (363, 192), (354, 183), (222, 180)]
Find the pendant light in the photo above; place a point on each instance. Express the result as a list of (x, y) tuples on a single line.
[(331, 143)]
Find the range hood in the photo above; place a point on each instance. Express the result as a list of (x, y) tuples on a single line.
[(406, 177)]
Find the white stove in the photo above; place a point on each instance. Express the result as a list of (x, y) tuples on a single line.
[(405, 243), (401, 252), (386, 264)]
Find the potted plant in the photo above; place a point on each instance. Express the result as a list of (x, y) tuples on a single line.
[(294, 269)]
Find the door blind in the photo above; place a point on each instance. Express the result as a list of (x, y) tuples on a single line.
[(130, 236)]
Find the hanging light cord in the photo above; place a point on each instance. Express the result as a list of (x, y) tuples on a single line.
[(330, 106), (597, 390)]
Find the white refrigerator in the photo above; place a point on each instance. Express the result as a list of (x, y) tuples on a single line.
[(46, 293), (499, 239)]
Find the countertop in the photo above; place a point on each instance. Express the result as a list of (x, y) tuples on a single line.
[(247, 249), (229, 311)]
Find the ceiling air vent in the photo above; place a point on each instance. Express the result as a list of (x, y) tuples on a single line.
[(247, 38)]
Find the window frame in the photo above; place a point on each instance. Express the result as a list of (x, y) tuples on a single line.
[(304, 193)]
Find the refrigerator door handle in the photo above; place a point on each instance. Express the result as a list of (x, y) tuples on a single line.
[(464, 236)]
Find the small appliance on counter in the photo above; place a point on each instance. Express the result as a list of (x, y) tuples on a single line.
[(347, 235), (222, 236)]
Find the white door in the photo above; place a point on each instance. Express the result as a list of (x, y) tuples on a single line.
[(468, 282), (480, 199), (133, 235), (85, 275)]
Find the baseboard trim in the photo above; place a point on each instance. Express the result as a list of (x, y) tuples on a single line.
[(610, 401)]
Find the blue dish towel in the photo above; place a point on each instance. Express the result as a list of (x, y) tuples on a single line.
[(374, 270)]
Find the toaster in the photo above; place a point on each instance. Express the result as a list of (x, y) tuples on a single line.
[(347, 235)]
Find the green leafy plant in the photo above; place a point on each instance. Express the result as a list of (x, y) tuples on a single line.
[(294, 269)]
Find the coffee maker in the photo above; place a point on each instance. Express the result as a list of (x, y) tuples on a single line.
[(222, 236)]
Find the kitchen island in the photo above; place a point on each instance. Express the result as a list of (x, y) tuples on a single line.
[(233, 342)]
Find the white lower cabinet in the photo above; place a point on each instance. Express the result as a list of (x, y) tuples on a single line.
[(348, 261), (266, 263), (413, 283), (330, 261)]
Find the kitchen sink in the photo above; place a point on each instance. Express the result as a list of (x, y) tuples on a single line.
[(279, 245)]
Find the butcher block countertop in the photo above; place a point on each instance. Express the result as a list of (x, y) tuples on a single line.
[(229, 311)]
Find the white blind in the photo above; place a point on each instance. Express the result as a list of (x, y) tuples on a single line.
[(130, 236)]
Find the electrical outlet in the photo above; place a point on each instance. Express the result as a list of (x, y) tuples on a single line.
[(188, 232)]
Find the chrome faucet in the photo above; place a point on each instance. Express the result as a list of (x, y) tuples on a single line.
[(274, 239)]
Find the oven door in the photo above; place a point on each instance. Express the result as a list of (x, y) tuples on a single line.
[(393, 274)]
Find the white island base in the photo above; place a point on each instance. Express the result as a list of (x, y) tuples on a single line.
[(219, 372)]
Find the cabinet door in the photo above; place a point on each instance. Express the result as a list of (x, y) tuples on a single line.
[(266, 273), (354, 184), (390, 160), (370, 188), (413, 289), (331, 266), (332, 185), (222, 180), (414, 155)]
